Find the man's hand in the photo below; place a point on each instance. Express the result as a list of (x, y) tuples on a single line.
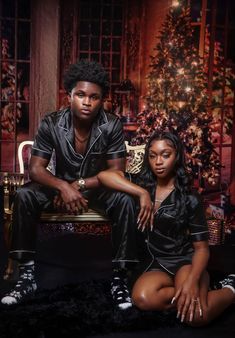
[(70, 199)]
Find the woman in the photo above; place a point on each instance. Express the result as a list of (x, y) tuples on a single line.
[(176, 236)]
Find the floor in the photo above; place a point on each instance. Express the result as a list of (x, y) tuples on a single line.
[(69, 258)]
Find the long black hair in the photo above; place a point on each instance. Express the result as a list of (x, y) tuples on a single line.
[(147, 179)]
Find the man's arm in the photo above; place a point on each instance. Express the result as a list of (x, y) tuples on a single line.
[(115, 164), (116, 180), (71, 197), (38, 173)]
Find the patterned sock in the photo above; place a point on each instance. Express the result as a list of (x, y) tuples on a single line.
[(25, 286), (119, 289), (229, 282)]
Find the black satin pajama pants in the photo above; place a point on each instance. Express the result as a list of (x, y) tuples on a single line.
[(33, 198)]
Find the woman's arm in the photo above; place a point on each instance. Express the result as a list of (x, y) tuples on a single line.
[(115, 179), (200, 259), (188, 295)]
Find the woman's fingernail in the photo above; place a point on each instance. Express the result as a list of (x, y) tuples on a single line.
[(182, 319), (173, 299), (178, 314)]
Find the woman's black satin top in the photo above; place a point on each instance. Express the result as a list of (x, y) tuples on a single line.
[(56, 133), (170, 243)]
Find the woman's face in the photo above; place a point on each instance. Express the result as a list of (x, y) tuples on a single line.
[(162, 157)]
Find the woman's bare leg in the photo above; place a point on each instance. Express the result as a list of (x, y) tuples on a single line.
[(153, 290)]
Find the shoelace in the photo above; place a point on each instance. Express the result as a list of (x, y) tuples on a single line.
[(20, 291), (20, 288), (226, 281), (119, 290)]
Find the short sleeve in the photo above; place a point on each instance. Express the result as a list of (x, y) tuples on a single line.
[(116, 146), (197, 220), (43, 144)]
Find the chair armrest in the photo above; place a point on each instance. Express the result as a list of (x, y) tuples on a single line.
[(89, 216)]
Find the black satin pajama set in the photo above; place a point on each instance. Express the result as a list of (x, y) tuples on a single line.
[(106, 142), (170, 245)]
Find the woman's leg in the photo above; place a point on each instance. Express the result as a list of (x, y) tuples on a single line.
[(213, 303), (153, 290)]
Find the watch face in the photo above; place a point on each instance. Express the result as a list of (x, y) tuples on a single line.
[(81, 183)]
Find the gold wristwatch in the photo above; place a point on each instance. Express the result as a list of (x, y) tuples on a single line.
[(81, 184)]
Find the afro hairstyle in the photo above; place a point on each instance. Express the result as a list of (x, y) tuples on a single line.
[(85, 70)]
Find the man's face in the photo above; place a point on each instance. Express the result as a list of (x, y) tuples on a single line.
[(86, 100)]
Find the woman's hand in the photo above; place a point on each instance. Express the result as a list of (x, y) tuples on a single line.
[(187, 299), (145, 216)]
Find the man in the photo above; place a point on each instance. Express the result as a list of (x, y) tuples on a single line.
[(86, 140)]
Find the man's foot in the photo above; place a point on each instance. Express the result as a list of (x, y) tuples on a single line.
[(24, 288), (120, 292), (228, 282)]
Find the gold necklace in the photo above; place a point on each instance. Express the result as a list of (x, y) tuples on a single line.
[(81, 140), (168, 189), (158, 200)]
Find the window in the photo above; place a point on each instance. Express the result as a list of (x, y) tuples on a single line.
[(100, 35), (221, 63), (14, 72), (98, 28), (216, 23)]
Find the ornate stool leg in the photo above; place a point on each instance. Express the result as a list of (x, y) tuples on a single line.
[(11, 265)]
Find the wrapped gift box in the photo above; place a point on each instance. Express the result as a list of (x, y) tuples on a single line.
[(216, 231)]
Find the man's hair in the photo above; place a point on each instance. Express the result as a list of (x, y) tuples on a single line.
[(85, 70)]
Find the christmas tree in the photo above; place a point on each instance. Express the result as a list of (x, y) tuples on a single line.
[(177, 95)]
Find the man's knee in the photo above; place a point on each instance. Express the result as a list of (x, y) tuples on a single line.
[(23, 192), (23, 196), (32, 195), (124, 199)]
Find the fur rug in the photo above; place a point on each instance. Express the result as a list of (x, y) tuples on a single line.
[(87, 309), (76, 311)]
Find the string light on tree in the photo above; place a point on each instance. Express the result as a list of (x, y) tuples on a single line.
[(175, 3), (181, 71), (177, 95)]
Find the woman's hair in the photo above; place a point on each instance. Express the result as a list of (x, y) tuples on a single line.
[(147, 179), (85, 70)]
